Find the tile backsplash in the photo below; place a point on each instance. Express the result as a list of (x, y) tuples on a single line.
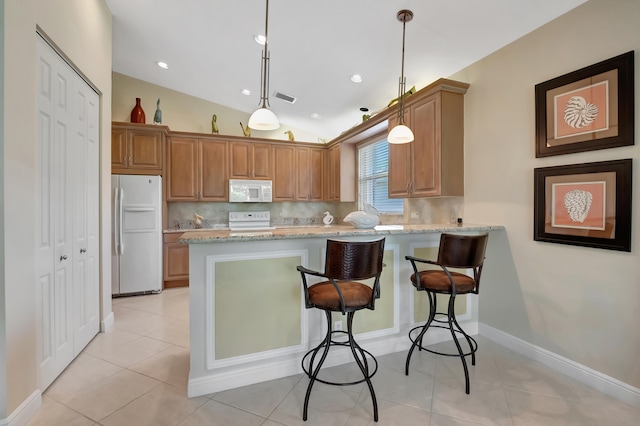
[(416, 211)]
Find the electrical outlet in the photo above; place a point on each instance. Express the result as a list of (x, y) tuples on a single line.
[(337, 326), (414, 215)]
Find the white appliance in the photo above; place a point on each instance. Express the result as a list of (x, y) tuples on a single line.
[(250, 221), (249, 191), (136, 254)]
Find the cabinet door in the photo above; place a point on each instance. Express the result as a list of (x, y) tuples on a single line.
[(145, 149), (316, 173), (303, 180), (182, 170), (239, 160), (176, 261), (284, 176), (214, 174), (333, 173), (261, 159), (119, 148), (425, 124)]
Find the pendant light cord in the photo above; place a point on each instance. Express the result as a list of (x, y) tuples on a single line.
[(265, 61), (404, 16)]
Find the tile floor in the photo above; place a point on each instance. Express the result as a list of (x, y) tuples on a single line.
[(136, 375)]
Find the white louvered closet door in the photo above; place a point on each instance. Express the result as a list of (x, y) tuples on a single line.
[(67, 281)]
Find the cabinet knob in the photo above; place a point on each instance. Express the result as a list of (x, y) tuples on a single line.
[(83, 250), (63, 257)]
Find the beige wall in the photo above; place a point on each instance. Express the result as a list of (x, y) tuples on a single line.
[(82, 30), (581, 303), (186, 113)]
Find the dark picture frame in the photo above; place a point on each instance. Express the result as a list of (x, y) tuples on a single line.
[(588, 109), (586, 204)]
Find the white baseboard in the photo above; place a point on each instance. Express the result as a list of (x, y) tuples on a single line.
[(600, 382), (25, 412), (107, 323)]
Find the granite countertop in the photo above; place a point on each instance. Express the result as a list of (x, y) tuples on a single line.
[(203, 236)]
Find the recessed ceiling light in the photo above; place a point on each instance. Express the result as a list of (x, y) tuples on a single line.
[(162, 65), (260, 39), (356, 78), (245, 92), (316, 116)]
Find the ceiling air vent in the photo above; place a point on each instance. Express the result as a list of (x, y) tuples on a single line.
[(285, 98)]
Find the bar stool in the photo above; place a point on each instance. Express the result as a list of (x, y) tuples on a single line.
[(456, 251), (347, 263)]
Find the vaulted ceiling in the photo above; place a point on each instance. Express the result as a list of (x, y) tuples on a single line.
[(315, 47)]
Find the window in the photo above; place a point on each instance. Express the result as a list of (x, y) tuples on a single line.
[(373, 178)]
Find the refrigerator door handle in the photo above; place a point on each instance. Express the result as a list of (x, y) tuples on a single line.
[(120, 221), (116, 221)]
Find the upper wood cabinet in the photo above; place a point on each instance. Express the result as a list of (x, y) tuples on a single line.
[(310, 173), (284, 173), (297, 173), (248, 160), (137, 148), (433, 164), (197, 169), (340, 173), (332, 179)]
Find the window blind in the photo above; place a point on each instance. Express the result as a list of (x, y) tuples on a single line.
[(373, 178)]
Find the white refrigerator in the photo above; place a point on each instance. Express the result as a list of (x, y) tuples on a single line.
[(136, 254)]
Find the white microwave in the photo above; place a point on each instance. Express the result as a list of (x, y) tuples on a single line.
[(249, 191)]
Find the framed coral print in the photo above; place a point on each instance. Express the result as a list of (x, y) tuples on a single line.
[(585, 204), (588, 109)]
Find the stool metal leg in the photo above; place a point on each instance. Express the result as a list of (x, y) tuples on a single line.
[(418, 340), (451, 319), (364, 367), (314, 371)]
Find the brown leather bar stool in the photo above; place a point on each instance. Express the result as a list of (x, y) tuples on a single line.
[(456, 251), (340, 290)]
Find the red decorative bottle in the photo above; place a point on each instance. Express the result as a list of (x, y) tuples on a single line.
[(137, 113)]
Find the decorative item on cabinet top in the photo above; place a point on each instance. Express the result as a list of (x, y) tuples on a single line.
[(157, 117), (214, 125), (137, 113), (245, 130)]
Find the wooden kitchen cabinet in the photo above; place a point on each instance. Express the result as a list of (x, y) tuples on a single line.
[(284, 173), (340, 173), (333, 173), (310, 173), (197, 169), (433, 164), (175, 261), (248, 160), (137, 148), (298, 173)]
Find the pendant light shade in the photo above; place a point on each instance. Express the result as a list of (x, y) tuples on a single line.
[(401, 133), (263, 118)]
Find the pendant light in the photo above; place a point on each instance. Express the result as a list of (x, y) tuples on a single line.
[(263, 118), (401, 133)]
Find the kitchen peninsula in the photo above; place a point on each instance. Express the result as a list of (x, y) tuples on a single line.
[(248, 322)]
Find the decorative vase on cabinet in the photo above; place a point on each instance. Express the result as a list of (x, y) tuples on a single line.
[(137, 113)]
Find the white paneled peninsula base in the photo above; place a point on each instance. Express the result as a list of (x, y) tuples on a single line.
[(248, 322)]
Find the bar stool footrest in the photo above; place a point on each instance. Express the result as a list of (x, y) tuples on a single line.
[(474, 344), (307, 370)]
